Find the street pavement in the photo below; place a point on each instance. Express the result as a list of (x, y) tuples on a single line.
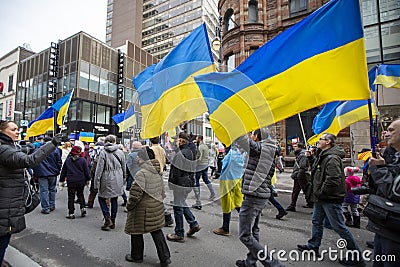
[(52, 240)]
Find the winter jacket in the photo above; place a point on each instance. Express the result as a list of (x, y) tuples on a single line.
[(202, 155), (110, 174), (300, 166), (76, 171), (145, 203), (12, 182), (50, 166), (328, 178), (183, 167), (352, 182), (260, 167)]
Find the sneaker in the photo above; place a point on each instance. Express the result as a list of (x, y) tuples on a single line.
[(193, 230), (241, 263), (169, 223), (129, 258), (352, 263), (290, 208), (307, 248), (165, 263), (70, 216), (220, 231), (45, 211), (197, 207), (281, 214), (83, 212), (175, 238), (52, 209)]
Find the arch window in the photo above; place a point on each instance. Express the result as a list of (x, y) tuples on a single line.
[(229, 20), (253, 11)]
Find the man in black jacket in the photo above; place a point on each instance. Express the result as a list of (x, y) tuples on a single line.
[(329, 189), (385, 173), (181, 181)]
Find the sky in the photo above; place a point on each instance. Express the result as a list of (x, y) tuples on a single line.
[(40, 22)]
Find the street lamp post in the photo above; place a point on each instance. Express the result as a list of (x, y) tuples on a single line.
[(217, 43)]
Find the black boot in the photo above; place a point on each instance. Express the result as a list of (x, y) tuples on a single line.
[(112, 226), (349, 221), (356, 222), (107, 224), (168, 220)]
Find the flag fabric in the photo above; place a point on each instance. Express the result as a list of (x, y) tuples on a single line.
[(318, 60), (125, 119), (86, 137), (62, 106), (389, 75), (336, 116), (44, 123), (167, 91), (371, 78)]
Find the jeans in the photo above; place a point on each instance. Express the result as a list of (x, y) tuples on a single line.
[(129, 182), (249, 232), (180, 210), (226, 220), (335, 216), (275, 202), (4, 241), (203, 173), (137, 246), (104, 207), (47, 189), (385, 247)]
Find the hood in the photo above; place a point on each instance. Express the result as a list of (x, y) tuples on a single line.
[(335, 150), (5, 139), (111, 147), (75, 157), (152, 166)]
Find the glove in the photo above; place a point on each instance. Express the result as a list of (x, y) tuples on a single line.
[(57, 139)]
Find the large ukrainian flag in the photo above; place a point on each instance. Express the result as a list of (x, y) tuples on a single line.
[(62, 106), (168, 94), (44, 123), (319, 60), (389, 75)]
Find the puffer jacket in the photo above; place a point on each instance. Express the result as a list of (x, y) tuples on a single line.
[(328, 180), (301, 166), (145, 203), (12, 182), (110, 174), (260, 167)]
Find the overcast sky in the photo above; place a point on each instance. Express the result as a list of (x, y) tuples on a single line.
[(40, 22)]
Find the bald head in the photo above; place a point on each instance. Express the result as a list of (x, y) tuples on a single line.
[(393, 135)]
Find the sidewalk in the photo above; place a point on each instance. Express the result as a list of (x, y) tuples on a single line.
[(284, 182)]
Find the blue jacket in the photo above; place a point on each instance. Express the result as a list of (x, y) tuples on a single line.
[(75, 171), (50, 166)]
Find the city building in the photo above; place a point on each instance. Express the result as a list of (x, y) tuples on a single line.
[(8, 80), (100, 76)]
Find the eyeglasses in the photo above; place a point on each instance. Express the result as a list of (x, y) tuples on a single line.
[(325, 139)]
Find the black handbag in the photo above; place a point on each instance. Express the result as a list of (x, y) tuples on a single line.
[(383, 212), (32, 199)]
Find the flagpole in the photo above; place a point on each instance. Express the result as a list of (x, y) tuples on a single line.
[(302, 129)]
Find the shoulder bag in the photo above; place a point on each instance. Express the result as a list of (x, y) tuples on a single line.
[(32, 199)]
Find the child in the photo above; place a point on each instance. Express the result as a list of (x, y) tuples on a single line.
[(351, 199), (77, 171)]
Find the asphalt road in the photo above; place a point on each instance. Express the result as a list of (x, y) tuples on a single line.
[(52, 240)]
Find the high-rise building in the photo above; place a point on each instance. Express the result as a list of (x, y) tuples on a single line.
[(157, 25)]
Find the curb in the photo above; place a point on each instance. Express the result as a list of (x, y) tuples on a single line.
[(16, 258)]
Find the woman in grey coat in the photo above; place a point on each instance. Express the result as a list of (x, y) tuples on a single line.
[(109, 179)]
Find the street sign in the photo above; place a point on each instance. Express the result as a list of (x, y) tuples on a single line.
[(24, 123)]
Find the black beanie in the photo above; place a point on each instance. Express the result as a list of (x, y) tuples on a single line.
[(146, 154)]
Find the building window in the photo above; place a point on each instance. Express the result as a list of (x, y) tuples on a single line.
[(253, 11), (229, 20), (10, 82), (297, 6), (208, 132)]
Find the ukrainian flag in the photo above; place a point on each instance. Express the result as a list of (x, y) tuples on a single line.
[(44, 123), (338, 115), (388, 76), (86, 137), (62, 106), (168, 94), (125, 119), (319, 60)]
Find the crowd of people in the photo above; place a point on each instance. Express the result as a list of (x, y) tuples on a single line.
[(246, 171)]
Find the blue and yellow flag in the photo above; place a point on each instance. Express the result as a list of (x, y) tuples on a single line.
[(168, 94), (44, 123), (86, 137), (389, 75), (125, 119), (318, 60), (62, 106)]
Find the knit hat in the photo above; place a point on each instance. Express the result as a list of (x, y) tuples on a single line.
[(184, 136), (349, 171), (146, 153), (76, 150)]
